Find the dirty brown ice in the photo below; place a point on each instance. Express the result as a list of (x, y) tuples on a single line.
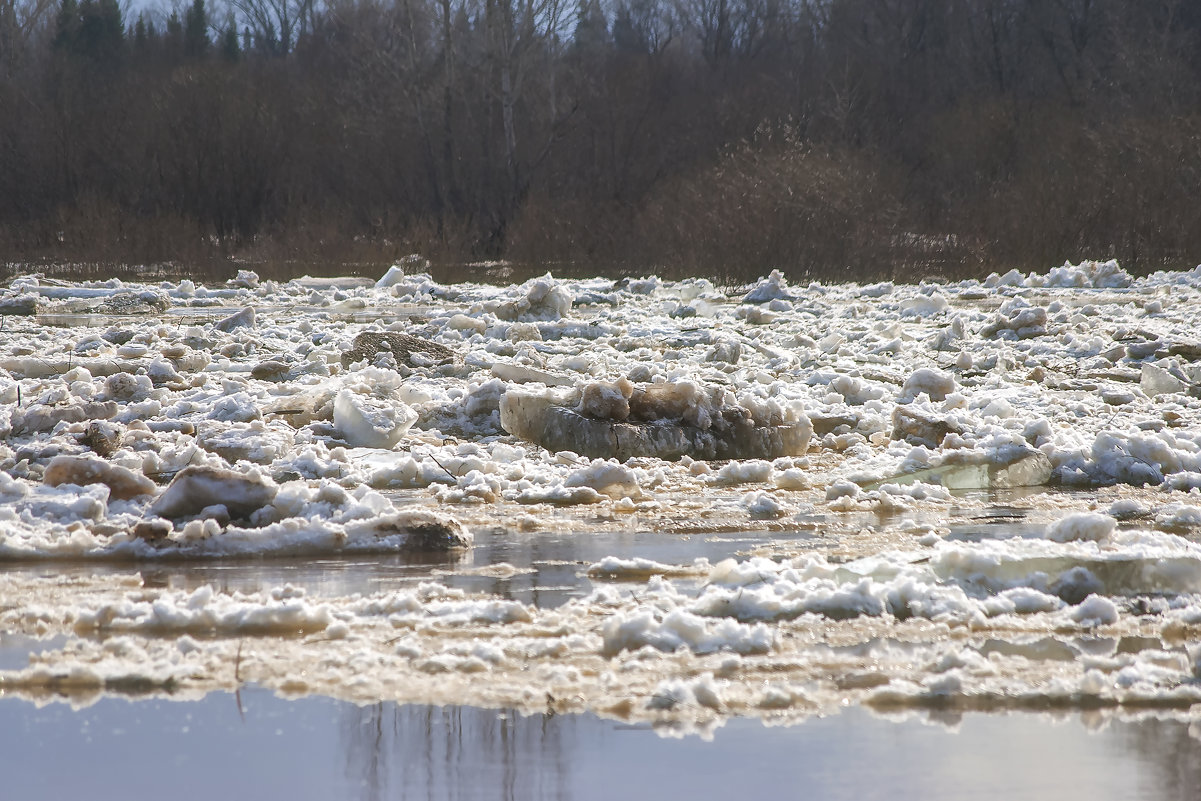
[(369, 344)]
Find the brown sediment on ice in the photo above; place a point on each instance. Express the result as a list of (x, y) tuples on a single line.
[(732, 433), (369, 344)]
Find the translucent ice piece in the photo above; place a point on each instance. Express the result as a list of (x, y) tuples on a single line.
[(1030, 469), (1157, 381)]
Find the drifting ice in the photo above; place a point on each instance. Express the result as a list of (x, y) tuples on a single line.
[(367, 422), (969, 385), (607, 425), (1028, 469)]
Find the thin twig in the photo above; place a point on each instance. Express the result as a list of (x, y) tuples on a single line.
[(434, 459)]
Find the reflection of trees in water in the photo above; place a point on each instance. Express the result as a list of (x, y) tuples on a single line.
[(1173, 755), (338, 576), (426, 752)]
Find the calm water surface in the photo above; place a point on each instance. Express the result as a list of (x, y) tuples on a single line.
[(260, 746), (551, 565)]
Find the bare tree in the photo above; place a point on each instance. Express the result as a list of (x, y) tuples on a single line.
[(276, 25), (524, 37), (20, 21)]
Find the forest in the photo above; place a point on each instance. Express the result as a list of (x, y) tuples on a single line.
[(846, 139)]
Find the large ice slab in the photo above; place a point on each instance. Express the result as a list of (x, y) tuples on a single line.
[(544, 420)]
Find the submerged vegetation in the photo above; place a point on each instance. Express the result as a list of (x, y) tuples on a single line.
[(830, 138)]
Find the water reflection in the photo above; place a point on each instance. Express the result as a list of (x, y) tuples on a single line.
[(425, 752), (318, 748), (1170, 755), (214, 271), (549, 566), (15, 649)]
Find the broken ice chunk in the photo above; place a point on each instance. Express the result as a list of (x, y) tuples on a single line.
[(935, 383), (145, 302), (1156, 380), (391, 278), (196, 488), (1082, 526), (1099, 274), (271, 370), (520, 374), (122, 482), (605, 401), (102, 437), (40, 417), (1017, 320), (774, 287), (125, 386), (246, 279), (607, 477), (369, 344), (761, 505), (544, 299), (26, 304), (1020, 469), (368, 422), (547, 421), (423, 530), (243, 319), (919, 426)]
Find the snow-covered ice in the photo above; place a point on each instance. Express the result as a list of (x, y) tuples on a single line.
[(175, 422)]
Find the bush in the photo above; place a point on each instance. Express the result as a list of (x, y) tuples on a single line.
[(775, 202)]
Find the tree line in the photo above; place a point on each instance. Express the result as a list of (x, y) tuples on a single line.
[(828, 138)]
